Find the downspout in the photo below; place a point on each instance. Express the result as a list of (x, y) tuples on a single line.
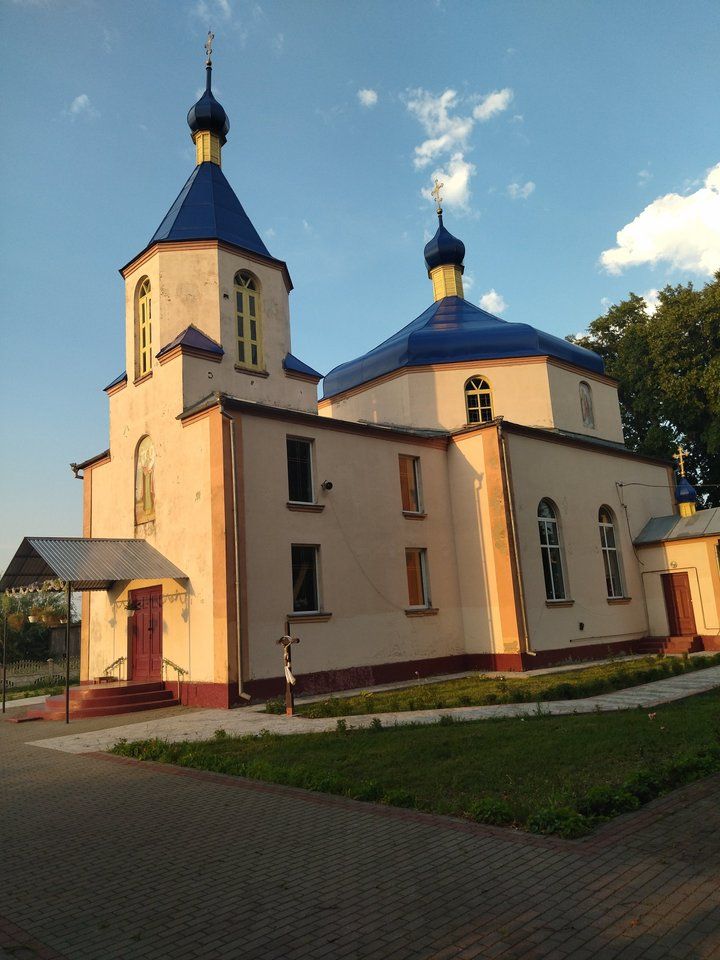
[(513, 533), (236, 551)]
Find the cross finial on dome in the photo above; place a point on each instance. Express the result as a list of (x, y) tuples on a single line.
[(435, 192), (208, 48), (680, 457)]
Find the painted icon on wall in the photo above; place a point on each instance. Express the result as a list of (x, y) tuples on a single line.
[(586, 405), (145, 481)]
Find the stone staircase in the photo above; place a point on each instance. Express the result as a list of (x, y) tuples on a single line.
[(684, 644), (106, 700)]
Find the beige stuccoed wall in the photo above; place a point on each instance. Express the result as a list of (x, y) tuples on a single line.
[(566, 410), (697, 558), (434, 398), (362, 535), (193, 284), (579, 481), (482, 545), (181, 528)]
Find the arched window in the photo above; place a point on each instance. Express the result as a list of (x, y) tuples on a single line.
[(478, 400), (551, 550), (586, 405), (249, 320), (611, 554), (145, 481), (143, 328)]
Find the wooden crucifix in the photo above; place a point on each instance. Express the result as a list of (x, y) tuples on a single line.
[(286, 642)]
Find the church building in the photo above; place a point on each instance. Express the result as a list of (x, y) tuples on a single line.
[(459, 498)]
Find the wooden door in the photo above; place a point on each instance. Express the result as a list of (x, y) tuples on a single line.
[(678, 603), (146, 634)]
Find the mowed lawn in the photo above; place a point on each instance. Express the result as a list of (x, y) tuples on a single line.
[(547, 774), (480, 690)]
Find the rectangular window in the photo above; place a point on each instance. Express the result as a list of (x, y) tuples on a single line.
[(551, 559), (305, 579), (410, 484), (299, 465), (416, 564)]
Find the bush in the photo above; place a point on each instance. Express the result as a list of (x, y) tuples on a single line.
[(563, 821), (491, 810), (398, 798), (606, 802)]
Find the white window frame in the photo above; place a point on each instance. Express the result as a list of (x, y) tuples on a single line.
[(318, 584), (547, 548), (424, 578), (311, 444), (607, 551), (418, 483)]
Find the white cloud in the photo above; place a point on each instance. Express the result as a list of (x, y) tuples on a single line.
[(456, 179), (210, 9), (492, 104), (81, 106), (644, 177), (367, 98), (521, 191), (683, 231), (493, 302), (278, 43), (468, 282), (445, 132), (651, 298)]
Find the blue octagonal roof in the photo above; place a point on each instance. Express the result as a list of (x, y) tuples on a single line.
[(207, 209), (453, 330)]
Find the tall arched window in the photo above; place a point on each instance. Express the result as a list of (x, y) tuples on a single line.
[(143, 349), (248, 319), (611, 554), (145, 481), (586, 405), (551, 550), (478, 400)]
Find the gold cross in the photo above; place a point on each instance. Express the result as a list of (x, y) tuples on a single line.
[(435, 192), (208, 44), (680, 457)]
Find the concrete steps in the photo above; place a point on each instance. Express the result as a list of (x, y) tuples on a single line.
[(106, 700)]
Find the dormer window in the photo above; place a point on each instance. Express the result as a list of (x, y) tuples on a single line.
[(478, 400), (586, 405), (143, 329), (248, 318)]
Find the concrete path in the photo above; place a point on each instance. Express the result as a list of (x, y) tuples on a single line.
[(108, 859), (202, 724)]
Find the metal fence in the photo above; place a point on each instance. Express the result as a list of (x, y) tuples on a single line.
[(26, 673)]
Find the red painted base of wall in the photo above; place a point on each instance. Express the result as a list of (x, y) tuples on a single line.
[(225, 695)]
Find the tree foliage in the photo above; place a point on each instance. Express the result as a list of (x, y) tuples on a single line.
[(667, 363)]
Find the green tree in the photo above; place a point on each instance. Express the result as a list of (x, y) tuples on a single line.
[(667, 363), (26, 640)]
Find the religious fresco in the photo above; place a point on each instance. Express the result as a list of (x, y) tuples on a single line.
[(586, 405), (145, 481)]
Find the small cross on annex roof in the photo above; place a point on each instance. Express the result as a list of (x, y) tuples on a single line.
[(680, 457)]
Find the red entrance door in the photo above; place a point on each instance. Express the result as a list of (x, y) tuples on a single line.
[(678, 603), (145, 625)]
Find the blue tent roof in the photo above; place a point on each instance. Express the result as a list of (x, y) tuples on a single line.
[(292, 363), (195, 339), (452, 330), (207, 209)]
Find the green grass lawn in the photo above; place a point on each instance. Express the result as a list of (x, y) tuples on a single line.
[(37, 690), (546, 774), (480, 690)]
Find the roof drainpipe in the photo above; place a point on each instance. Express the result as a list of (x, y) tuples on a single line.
[(513, 533), (236, 551)]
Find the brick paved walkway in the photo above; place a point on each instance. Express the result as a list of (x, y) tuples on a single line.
[(105, 859)]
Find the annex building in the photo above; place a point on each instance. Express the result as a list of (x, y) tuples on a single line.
[(459, 498)]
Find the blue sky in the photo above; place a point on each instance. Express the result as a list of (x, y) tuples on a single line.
[(555, 126)]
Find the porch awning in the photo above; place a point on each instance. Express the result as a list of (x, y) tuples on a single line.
[(89, 563)]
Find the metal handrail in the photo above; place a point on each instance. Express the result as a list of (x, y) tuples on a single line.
[(174, 666), (115, 663)]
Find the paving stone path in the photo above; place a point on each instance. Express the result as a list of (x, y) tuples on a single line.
[(201, 724), (103, 858)]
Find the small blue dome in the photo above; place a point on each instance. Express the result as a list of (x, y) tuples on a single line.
[(444, 248), (208, 114), (685, 492)]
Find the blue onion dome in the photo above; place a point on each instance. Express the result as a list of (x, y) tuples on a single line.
[(208, 114), (444, 248), (685, 492)]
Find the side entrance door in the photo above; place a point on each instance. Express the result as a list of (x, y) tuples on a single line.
[(678, 603), (146, 634)]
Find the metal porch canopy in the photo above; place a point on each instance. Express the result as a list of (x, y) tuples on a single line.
[(88, 563)]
